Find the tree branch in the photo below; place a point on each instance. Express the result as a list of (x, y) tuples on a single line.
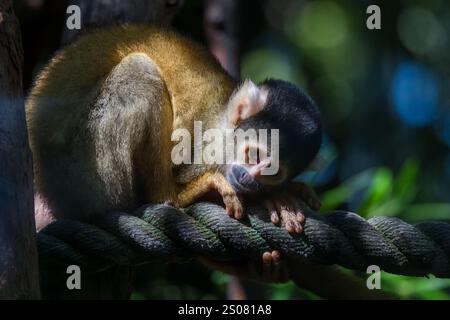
[(19, 277), (222, 26)]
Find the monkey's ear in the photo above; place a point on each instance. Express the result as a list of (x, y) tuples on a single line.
[(246, 101)]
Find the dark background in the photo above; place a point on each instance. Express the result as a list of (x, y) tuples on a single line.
[(384, 99)]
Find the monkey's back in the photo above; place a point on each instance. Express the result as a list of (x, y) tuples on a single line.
[(192, 76)]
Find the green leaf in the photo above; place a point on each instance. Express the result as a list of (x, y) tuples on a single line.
[(389, 208), (380, 191), (405, 186), (415, 287), (220, 278), (334, 198)]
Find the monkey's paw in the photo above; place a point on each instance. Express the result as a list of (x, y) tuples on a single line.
[(285, 210), (233, 205), (274, 269)]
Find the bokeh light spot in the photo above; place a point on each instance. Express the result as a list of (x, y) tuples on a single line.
[(261, 64), (319, 24), (415, 94), (420, 31)]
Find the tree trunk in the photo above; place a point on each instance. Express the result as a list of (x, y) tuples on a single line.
[(19, 277)]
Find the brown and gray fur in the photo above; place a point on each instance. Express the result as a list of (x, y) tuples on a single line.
[(102, 112)]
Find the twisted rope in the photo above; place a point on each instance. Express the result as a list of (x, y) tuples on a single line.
[(204, 230)]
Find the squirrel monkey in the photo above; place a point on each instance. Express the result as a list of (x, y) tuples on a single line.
[(102, 112)]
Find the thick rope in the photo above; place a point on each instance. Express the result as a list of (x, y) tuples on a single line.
[(205, 230)]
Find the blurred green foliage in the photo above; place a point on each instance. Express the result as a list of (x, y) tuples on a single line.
[(380, 192)]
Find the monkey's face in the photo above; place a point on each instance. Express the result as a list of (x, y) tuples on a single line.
[(281, 109), (258, 170)]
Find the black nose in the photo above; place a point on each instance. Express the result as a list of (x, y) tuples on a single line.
[(242, 181), (239, 172), (244, 174)]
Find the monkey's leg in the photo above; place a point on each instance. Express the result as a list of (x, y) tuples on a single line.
[(131, 123), (113, 140), (212, 182)]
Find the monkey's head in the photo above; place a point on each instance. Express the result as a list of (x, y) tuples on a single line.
[(279, 105)]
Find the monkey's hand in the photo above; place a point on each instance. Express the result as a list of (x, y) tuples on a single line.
[(286, 209), (212, 182)]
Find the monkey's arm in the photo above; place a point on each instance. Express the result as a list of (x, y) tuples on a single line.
[(306, 193), (211, 181)]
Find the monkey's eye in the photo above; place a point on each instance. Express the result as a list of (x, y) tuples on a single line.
[(250, 155), (253, 155)]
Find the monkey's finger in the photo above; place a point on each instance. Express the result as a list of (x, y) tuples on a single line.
[(272, 267), (281, 273), (276, 255), (233, 206), (288, 216), (284, 216), (270, 206), (266, 266), (298, 208), (238, 212), (267, 257), (279, 269), (297, 226)]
